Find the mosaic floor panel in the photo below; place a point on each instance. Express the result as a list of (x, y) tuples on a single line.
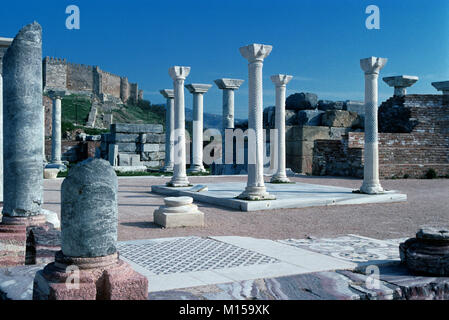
[(190, 254)]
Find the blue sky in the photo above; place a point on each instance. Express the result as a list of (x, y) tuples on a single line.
[(319, 42)]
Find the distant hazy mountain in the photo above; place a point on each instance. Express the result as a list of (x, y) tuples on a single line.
[(210, 120)]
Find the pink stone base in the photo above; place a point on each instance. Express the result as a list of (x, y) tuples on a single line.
[(104, 278), (13, 238), (12, 245)]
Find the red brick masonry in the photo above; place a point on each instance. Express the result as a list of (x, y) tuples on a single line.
[(401, 154)]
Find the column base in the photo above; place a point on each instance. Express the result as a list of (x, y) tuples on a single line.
[(256, 194), (179, 183), (281, 178), (373, 188), (168, 169), (102, 278), (59, 166), (196, 169), (13, 238)]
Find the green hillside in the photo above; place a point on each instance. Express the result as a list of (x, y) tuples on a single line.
[(76, 108)]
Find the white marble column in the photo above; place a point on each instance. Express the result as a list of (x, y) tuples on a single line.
[(198, 91), (179, 179), (43, 142), (280, 81), (56, 132), (371, 66), (400, 84), (169, 127), (1, 136), (255, 54), (228, 86)]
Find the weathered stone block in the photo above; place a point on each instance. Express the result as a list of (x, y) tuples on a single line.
[(355, 106), (309, 117), (342, 118), (302, 101), (127, 147), (124, 137), (136, 128), (147, 147), (330, 105)]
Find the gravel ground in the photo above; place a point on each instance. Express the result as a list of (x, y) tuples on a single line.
[(428, 203)]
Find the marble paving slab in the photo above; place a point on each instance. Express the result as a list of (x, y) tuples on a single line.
[(298, 195), (361, 250)]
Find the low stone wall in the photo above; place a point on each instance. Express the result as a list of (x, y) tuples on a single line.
[(400, 154), (138, 144), (300, 143), (74, 151)]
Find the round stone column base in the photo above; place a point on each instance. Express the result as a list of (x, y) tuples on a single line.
[(371, 189), (428, 253), (196, 169), (179, 183), (256, 194), (280, 179), (102, 278)]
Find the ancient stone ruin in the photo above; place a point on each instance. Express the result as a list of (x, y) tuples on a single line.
[(88, 267), (58, 74), (134, 147)]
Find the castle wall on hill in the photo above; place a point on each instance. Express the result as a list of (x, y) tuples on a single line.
[(59, 74)]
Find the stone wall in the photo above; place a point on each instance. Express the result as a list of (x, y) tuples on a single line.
[(138, 144), (58, 74), (419, 141), (300, 144), (74, 151), (48, 105), (111, 84)]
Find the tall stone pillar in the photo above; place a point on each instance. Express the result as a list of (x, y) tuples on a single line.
[(169, 127), (228, 86), (4, 44), (255, 54), (43, 137), (1, 138), (179, 179), (371, 66), (198, 91), (280, 81), (22, 149), (89, 242), (56, 132)]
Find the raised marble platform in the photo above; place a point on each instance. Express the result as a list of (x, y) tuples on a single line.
[(298, 195)]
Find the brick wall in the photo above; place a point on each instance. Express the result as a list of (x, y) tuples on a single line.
[(413, 153)]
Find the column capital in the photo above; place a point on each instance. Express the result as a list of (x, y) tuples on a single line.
[(198, 88), (373, 65), (228, 84), (442, 86), (400, 83), (179, 73), (255, 52), (281, 80), (168, 93)]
